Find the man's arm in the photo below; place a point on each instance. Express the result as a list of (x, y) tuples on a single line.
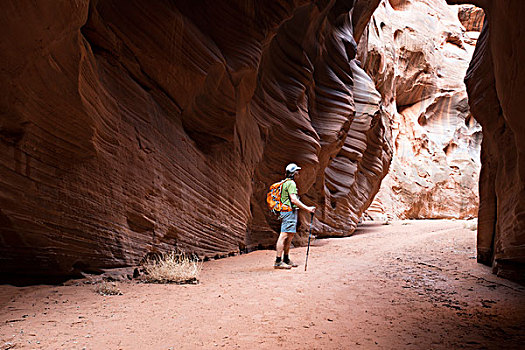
[(295, 200)]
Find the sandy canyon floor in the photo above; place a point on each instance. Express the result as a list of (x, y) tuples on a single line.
[(407, 285)]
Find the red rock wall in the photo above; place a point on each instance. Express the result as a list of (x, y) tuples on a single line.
[(496, 85), (417, 53), (471, 18), (131, 127)]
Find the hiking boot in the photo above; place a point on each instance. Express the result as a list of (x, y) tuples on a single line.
[(291, 263), (281, 265)]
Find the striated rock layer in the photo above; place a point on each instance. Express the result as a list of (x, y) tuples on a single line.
[(417, 53), (133, 127), (496, 85)]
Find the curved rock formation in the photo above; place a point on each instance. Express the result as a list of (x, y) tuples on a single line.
[(417, 53), (496, 85), (471, 17), (131, 127)]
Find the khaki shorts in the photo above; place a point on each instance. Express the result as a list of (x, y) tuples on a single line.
[(289, 221)]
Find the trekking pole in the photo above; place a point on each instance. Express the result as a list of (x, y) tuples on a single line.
[(309, 235)]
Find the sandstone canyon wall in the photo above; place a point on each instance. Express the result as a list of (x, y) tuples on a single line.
[(417, 53), (496, 87), (133, 127)]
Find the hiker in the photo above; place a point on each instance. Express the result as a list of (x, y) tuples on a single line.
[(290, 199)]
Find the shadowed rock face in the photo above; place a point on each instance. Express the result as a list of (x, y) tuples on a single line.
[(496, 85), (131, 127), (417, 53)]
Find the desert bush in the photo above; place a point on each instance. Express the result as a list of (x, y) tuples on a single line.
[(471, 225), (107, 288), (172, 268)]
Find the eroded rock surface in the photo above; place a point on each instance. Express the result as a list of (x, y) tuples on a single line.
[(417, 53), (132, 127), (496, 85)]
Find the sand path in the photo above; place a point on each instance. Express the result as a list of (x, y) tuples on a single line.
[(407, 285)]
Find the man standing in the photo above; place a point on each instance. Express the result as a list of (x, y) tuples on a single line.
[(290, 198)]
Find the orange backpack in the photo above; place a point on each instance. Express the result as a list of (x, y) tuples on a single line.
[(273, 198)]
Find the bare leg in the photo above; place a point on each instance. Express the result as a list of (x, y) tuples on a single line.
[(280, 246), (288, 242)]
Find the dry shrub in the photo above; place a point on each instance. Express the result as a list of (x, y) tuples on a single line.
[(106, 288), (471, 225), (172, 268)]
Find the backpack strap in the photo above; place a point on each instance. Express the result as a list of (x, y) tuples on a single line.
[(285, 206)]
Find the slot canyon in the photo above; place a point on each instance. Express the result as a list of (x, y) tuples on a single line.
[(130, 129)]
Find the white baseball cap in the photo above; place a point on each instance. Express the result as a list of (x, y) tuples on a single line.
[(292, 168)]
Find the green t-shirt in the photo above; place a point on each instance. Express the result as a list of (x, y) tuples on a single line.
[(289, 186)]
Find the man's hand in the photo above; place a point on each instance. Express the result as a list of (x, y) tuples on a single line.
[(311, 209)]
